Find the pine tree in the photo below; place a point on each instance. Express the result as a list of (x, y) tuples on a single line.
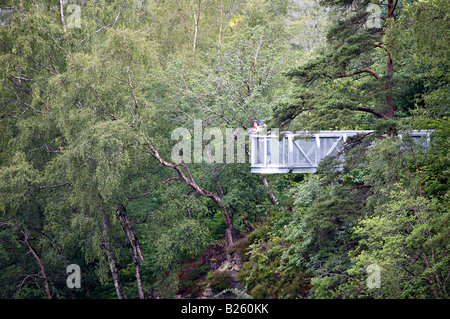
[(348, 74)]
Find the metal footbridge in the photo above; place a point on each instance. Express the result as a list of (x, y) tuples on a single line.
[(301, 152)]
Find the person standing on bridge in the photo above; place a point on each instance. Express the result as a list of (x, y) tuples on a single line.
[(255, 127)]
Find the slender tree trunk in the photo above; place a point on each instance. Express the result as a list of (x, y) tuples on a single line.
[(269, 193), (433, 282), (114, 273), (229, 229), (33, 251), (220, 5), (196, 21), (227, 218), (390, 69), (41, 265), (106, 247), (388, 86), (62, 14), (138, 255)]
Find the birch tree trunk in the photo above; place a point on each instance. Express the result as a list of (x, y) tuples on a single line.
[(196, 18), (138, 256), (220, 7), (62, 15), (106, 247)]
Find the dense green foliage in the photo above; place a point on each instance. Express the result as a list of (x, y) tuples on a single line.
[(86, 175)]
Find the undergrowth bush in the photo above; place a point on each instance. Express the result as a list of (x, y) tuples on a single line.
[(261, 271), (219, 280)]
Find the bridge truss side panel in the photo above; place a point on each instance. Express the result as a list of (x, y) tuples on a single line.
[(301, 152)]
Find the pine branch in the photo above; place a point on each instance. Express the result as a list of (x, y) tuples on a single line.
[(372, 111), (354, 73)]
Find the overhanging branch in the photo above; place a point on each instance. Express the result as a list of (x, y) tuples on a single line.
[(365, 109), (376, 76), (372, 111)]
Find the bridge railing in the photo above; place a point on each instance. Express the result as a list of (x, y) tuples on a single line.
[(301, 152)]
